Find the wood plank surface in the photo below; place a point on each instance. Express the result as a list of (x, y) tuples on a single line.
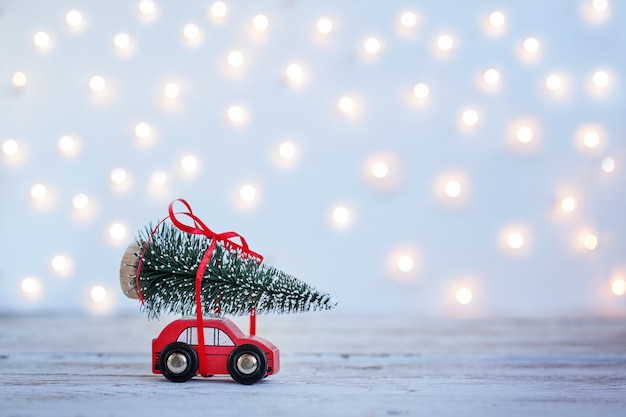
[(332, 365)]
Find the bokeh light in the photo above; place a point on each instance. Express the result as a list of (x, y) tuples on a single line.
[(464, 296), (247, 193), (341, 215), (41, 39), (80, 201), (408, 20), (515, 240), (189, 163), (10, 147), (421, 90), (98, 294), (324, 25), (117, 231), (608, 165), (445, 43), (121, 40), (97, 84), (260, 22), (19, 79), (405, 263), (38, 192), (287, 150), (74, 18), (346, 104)]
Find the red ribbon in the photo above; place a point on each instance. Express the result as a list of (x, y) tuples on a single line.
[(198, 228)]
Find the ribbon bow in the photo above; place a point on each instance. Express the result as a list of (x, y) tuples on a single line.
[(198, 228)]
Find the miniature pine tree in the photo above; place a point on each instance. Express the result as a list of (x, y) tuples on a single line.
[(232, 283)]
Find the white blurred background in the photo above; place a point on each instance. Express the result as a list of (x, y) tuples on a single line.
[(446, 158)]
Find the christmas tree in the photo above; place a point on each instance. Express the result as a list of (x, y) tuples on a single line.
[(163, 270)]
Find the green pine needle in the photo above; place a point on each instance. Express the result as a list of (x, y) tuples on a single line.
[(168, 274)]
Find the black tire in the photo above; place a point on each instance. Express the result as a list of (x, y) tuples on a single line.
[(247, 364), (178, 362)]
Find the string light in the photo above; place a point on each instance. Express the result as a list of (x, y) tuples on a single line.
[(38, 192), (600, 6), (117, 231), (171, 90), (600, 79), (590, 242), (445, 43), (247, 193), (189, 163), (591, 139), (80, 201), (235, 114), (421, 90), (74, 18), (147, 7), (405, 263), (346, 104), (121, 40), (219, 9), (294, 72), (470, 117), (30, 286), (287, 150), (341, 215), (464, 296), (97, 84), (67, 144), (408, 20), (453, 189), (19, 79), (324, 25), (41, 40), (618, 286), (235, 59), (10, 147), (159, 178), (59, 263), (496, 19), (372, 46), (118, 176), (531, 45), (608, 165), (491, 76), (142, 130), (260, 22), (524, 134), (568, 204), (553, 82), (515, 240), (98, 294), (191, 31), (380, 169)]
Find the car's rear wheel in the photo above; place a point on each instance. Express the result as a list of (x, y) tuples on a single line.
[(247, 364), (178, 362)]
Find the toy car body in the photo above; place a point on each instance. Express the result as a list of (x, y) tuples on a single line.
[(177, 354)]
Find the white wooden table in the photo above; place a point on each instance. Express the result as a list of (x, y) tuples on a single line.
[(332, 365)]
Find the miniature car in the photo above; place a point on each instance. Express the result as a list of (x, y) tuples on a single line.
[(178, 355)]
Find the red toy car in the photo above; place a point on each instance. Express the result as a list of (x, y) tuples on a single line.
[(180, 352)]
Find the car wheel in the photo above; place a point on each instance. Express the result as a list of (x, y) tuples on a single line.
[(178, 362), (247, 364)]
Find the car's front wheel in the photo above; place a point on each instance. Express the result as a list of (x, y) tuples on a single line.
[(178, 362), (247, 364)]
